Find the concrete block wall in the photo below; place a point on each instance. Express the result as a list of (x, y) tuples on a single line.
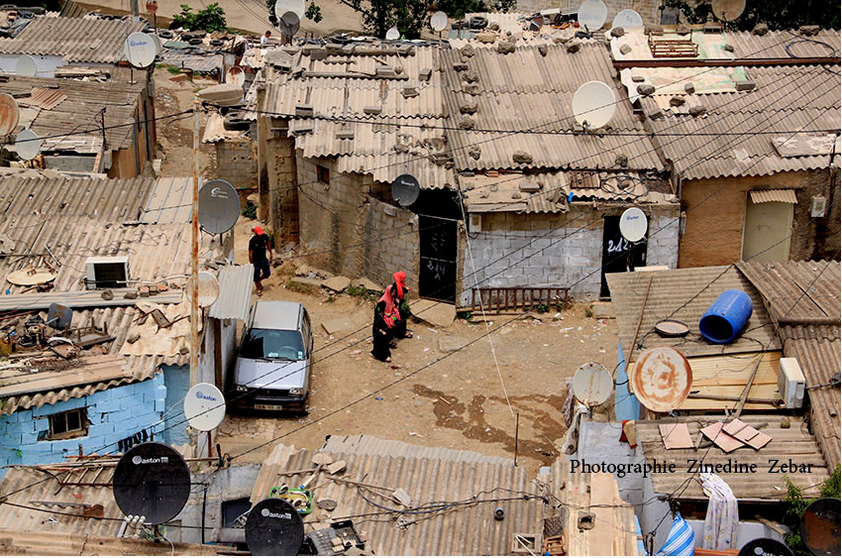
[(391, 244), (662, 247), (112, 415), (237, 162)]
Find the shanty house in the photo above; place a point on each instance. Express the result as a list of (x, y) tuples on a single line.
[(750, 127), (115, 253)]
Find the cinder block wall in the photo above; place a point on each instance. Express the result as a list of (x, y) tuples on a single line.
[(113, 414), (237, 162)]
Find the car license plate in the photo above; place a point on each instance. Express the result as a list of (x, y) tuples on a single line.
[(269, 407)]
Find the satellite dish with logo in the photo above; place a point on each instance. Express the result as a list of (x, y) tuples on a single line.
[(592, 384), (140, 50), (594, 105), (439, 21), (28, 145), (151, 480), (592, 14), (393, 34), (274, 528), (294, 6), (9, 114), (219, 206), (27, 66), (661, 379), (627, 18), (633, 224), (235, 76), (405, 190), (728, 10), (820, 527), (208, 289), (204, 407), (290, 23)]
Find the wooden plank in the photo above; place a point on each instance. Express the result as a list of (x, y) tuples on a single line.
[(731, 370)]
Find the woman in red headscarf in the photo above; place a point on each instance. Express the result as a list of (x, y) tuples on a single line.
[(398, 291)]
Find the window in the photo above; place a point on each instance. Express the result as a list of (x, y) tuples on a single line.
[(323, 174), (69, 424), (272, 344)]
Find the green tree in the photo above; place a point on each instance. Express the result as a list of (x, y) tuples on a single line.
[(210, 19), (777, 14)]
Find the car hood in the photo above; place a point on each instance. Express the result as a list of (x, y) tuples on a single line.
[(271, 374)]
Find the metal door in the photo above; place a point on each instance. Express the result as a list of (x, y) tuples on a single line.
[(437, 278), (767, 231), (618, 254)]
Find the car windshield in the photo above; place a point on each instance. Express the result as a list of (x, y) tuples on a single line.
[(272, 344)]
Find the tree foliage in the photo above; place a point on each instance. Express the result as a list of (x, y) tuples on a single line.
[(777, 14), (210, 19)]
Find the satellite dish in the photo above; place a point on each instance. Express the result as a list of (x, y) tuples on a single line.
[(592, 14), (140, 50), (393, 34), (671, 328), (627, 18), (224, 94), (59, 316), (28, 145), (633, 224), (439, 21), (219, 206), (156, 40), (405, 190), (235, 76), (290, 23), (592, 384), (661, 379), (284, 6), (820, 527), (204, 407), (728, 10), (151, 480), (274, 528), (765, 547), (208, 289), (27, 66), (594, 104), (9, 114)]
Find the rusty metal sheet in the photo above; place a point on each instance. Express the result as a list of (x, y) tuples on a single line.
[(9, 114), (47, 99), (661, 379)]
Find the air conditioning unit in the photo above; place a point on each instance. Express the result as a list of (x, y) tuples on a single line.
[(106, 272), (791, 383)]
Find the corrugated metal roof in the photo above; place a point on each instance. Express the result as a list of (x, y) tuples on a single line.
[(87, 39), (770, 196), (47, 99), (784, 44), (363, 444), (688, 292), (38, 543), (235, 283)]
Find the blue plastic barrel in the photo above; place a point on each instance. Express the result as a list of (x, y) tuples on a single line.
[(726, 317)]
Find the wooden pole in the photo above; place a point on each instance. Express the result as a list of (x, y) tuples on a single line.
[(194, 265), (517, 428)]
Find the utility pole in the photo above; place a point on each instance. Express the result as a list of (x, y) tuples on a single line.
[(135, 10)]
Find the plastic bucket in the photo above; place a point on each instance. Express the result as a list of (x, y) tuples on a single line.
[(726, 317)]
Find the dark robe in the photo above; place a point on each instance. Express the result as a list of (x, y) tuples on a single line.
[(381, 350)]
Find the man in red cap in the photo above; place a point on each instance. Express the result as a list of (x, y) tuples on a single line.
[(259, 245)]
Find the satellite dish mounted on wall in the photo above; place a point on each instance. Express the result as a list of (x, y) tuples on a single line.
[(592, 15), (405, 190), (627, 18), (438, 21), (219, 206), (140, 50), (661, 379), (151, 480), (9, 114), (289, 23), (26, 66), (592, 384), (728, 10), (633, 224), (284, 6), (274, 528), (393, 34), (204, 407), (28, 145), (594, 105)]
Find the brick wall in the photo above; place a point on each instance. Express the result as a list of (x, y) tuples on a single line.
[(237, 162), (113, 414)]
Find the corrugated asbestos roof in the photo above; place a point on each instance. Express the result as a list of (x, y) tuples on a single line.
[(688, 292), (38, 543), (234, 293), (771, 196), (86, 39), (785, 44), (525, 90), (78, 112)]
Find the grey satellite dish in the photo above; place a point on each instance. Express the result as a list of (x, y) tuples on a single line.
[(405, 190), (439, 21), (27, 66), (140, 50), (592, 14), (393, 34), (224, 94), (208, 289), (633, 224), (290, 23), (9, 114), (284, 6), (151, 480), (627, 18), (592, 384), (594, 104), (159, 46), (219, 206), (59, 316), (728, 10), (274, 528), (28, 145)]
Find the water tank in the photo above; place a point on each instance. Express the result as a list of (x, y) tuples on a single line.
[(726, 317)]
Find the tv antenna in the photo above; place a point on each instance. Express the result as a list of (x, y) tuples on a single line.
[(661, 379), (592, 15), (627, 18), (592, 384), (405, 190), (594, 105), (219, 206), (274, 528), (204, 406), (9, 114), (26, 66), (633, 224), (727, 10), (28, 145)]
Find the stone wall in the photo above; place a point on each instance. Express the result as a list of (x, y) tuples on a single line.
[(237, 162)]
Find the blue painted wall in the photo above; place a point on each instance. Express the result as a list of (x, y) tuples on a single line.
[(113, 414), (177, 380), (626, 405)]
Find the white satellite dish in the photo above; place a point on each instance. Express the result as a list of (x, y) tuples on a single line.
[(439, 21), (140, 50), (204, 407), (208, 289), (159, 46), (728, 10), (393, 34), (594, 104), (633, 224), (627, 18), (592, 384), (284, 6), (27, 66), (592, 14), (28, 145)]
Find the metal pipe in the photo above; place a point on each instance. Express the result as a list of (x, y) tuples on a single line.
[(194, 255)]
